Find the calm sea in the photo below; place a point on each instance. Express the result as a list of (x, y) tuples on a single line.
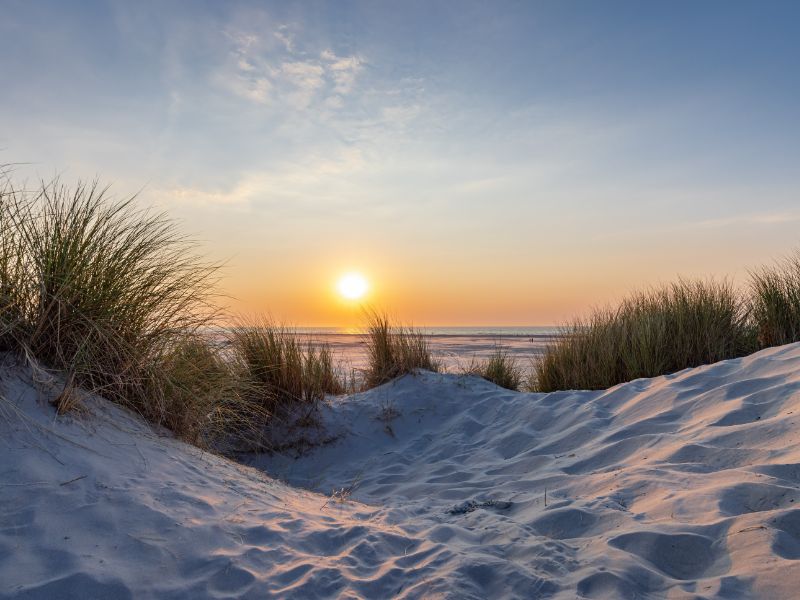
[(492, 331), (454, 347)]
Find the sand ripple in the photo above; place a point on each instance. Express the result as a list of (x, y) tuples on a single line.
[(679, 486)]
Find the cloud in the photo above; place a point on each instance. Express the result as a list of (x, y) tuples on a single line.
[(400, 114), (283, 35), (302, 81), (273, 69), (342, 69), (304, 74), (256, 89), (778, 218), (299, 184)]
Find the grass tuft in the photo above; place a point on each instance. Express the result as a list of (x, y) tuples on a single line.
[(13, 281), (114, 297), (282, 371), (686, 324), (393, 350), (775, 302), (208, 401), (501, 368)]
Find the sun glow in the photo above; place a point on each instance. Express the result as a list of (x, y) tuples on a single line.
[(352, 286)]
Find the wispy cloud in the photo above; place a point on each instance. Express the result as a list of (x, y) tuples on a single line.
[(301, 80), (285, 36), (774, 218), (289, 185), (285, 74), (343, 70)]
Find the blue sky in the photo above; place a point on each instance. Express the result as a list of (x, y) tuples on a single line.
[(493, 163)]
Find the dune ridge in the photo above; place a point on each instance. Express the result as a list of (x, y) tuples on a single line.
[(681, 486)]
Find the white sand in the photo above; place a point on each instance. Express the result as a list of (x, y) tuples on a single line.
[(676, 487)]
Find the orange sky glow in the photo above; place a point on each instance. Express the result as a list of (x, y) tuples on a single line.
[(495, 165)]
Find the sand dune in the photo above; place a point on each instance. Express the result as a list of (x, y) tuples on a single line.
[(682, 486)]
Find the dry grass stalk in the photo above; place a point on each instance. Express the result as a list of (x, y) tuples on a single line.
[(394, 350), (68, 399), (501, 368), (282, 370)]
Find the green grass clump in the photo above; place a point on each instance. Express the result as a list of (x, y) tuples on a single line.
[(207, 399), (280, 369), (685, 324), (393, 350), (115, 298), (775, 302), (12, 272), (500, 368)]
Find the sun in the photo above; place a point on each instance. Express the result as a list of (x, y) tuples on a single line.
[(352, 286)]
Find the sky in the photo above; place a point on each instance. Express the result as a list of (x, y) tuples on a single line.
[(480, 163)]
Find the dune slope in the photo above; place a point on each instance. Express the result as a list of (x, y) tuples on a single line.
[(682, 486)]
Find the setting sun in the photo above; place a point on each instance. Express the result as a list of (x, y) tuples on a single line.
[(352, 286)]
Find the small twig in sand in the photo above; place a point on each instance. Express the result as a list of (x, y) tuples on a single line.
[(68, 399), (73, 480), (343, 494), (753, 528)]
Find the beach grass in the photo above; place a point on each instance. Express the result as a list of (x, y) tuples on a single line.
[(12, 275), (501, 368), (115, 298), (775, 302), (393, 350), (209, 403), (282, 370), (651, 333)]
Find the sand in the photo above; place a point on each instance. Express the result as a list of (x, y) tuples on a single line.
[(684, 486)]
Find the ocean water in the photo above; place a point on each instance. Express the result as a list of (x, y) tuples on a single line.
[(454, 347), (487, 330)]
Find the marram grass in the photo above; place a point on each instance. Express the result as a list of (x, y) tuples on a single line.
[(281, 370), (394, 350), (775, 302), (501, 368), (112, 296), (651, 333)]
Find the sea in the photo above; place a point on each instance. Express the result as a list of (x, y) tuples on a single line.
[(455, 348)]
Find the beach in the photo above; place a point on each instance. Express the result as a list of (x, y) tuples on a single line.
[(399, 300), (455, 348), (431, 486)]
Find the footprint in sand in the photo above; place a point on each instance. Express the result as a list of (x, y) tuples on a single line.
[(684, 556)]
